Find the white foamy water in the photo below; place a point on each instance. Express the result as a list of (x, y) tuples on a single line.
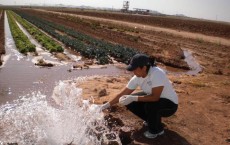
[(33, 120)]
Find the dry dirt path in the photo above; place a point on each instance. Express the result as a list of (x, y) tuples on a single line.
[(185, 34)]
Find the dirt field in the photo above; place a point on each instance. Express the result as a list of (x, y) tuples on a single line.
[(121, 35), (2, 37), (203, 114), (165, 46), (204, 99), (202, 117), (206, 27)]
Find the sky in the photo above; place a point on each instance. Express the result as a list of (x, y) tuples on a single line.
[(205, 9)]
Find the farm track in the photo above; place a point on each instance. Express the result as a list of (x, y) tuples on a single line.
[(2, 35), (206, 27), (207, 30)]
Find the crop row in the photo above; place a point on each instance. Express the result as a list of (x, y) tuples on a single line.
[(79, 46), (43, 39), (119, 52), (21, 40), (88, 46)]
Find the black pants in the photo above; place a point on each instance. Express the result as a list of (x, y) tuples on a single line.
[(152, 112)]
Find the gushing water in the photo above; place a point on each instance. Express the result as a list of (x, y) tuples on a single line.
[(33, 120)]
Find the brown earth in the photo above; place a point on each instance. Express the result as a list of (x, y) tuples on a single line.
[(213, 28), (204, 99), (202, 118), (203, 114), (2, 35), (153, 26)]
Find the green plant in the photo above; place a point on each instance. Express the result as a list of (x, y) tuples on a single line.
[(42, 38), (86, 45), (22, 42)]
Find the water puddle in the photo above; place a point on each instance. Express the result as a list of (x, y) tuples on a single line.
[(33, 120), (195, 67), (192, 63)]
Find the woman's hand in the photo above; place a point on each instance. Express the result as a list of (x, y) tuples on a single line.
[(127, 99), (105, 106)]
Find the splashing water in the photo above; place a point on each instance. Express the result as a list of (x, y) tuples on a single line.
[(33, 120)]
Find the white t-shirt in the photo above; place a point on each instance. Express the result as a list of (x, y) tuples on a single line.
[(156, 77)]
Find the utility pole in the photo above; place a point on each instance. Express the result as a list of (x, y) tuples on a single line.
[(125, 7)]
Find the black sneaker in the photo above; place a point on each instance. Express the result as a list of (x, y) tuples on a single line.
[(147, 134), (145, 123)]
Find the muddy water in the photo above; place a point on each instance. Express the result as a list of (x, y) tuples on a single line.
[(19, 76), (193, 64), (32, 120), (30, 117), (195, 67)]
